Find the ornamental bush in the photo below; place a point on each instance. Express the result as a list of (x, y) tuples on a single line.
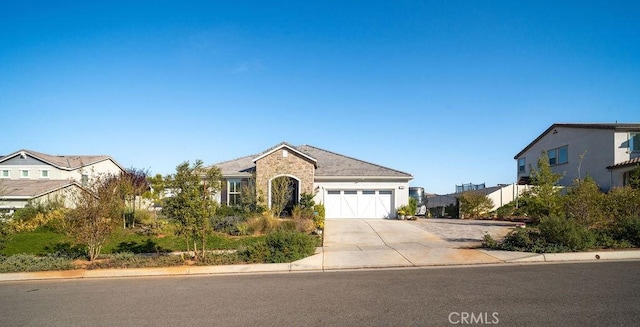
[(29, 262), (281, 246)]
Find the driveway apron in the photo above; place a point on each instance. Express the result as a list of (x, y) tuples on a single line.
[(375, 243)]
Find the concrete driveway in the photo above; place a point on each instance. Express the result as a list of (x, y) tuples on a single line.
[(369, 243)]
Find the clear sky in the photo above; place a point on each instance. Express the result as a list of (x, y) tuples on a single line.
[(448, 91)]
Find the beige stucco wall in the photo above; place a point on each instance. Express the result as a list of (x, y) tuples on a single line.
[(597, 145), (506, 195), (276, 164), (104, 167)]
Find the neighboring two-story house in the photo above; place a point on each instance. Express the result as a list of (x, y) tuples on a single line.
[(348, 187), (606, 152), (32, 176)]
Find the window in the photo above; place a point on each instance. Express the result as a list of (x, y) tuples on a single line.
[(44, 174), (233, 192), (350, 192), (634, 141), (367, 192), (5, 174), (332, 192), (521, 165), (24, 173), (558, 156), (85, 179)]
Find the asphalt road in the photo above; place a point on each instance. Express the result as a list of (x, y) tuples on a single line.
[(577, 294)]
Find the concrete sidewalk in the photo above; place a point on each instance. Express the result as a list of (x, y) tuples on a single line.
[(355, 244)]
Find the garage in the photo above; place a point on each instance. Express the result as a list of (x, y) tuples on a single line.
[(359, 203)]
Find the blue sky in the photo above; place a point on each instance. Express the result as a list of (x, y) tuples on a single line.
[(448, 91)]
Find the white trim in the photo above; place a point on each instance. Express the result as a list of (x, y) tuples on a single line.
[(235, 180), (282, 175), (28, 173), (288, 147), (48, 171), (8, 173)]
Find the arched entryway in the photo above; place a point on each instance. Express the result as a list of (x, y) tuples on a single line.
[(284, 192)]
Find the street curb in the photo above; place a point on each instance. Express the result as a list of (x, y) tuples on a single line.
[(313, 263), (516, 257)]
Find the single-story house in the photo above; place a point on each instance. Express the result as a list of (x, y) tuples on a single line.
[(348, 187)]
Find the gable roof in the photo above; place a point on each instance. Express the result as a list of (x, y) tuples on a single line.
[(25, 188), (66, 162), (612, 126), (288, 146), (328, 164)]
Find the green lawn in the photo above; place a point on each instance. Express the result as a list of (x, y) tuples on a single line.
[(43, 241)]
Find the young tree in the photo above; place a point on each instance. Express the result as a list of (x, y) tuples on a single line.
[(281, 192), (474, 204), (95, 216), (155, 192), (133, 184), (543, 199), (250, 200), (193, 205)]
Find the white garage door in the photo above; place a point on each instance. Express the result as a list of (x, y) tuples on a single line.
[(358, 203)]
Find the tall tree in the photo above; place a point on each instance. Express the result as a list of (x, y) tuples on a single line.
[(192, 204), (95, 216)]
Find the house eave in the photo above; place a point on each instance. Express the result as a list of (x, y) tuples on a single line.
[(362, 178), (289, 147), (611, 126)]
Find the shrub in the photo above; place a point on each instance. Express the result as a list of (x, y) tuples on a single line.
[(565, 232), (627, 229), (28, 262), (507, 210), (412, 207), (527, 239), (584, 203), (228, 224), (303, 219), (262, 224), (130, 260), (489, 242), (281, 246), (318, 219), (34, 218), (474, 204)]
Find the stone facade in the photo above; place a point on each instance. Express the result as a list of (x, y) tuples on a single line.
[(284, 162)]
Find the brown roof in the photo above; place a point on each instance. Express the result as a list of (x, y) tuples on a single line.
[(634, 161), (32, 188), (66, 162)]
